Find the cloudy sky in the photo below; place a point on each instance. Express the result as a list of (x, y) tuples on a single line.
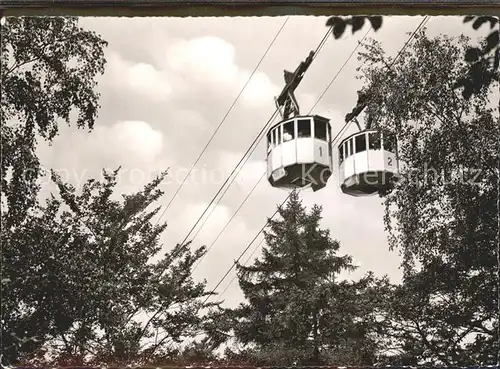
[(168, 84)]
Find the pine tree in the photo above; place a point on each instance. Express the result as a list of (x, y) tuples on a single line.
[(298, 311)]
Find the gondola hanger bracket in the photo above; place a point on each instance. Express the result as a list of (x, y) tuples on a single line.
[(355, 119), (286, 98)]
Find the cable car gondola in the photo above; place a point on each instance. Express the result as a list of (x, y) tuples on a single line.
[(299, 152), (367, 162)]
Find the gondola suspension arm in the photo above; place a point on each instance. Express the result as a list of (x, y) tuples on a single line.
[(286, 99), (363, 100)]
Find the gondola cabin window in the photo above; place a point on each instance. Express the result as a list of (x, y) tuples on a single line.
[(360, 143), (293, 149), (367, 173), (288, 131), (320, 130), (304, 128), (374, 141), (389, 142), (328, 139), (349, 147)]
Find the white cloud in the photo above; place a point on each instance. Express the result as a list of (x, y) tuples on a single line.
[(136, 139), (251, 173), (211, 60), (138, 78), (145, 79), (248, 174), (260, 89), (190, 68), (207, 58)]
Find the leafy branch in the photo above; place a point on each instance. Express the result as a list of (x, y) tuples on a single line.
[(484, 61)]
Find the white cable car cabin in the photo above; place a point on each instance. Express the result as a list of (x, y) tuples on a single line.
[(299, 153), (367, 162)]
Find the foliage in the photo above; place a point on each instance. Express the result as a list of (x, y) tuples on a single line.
[(339, 24), (84, 277), (298, 312), (484, 61), (442, 213), (78, 281), (47, 69)]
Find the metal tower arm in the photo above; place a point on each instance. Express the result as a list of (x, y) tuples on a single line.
[(363, 99), (287, 99)]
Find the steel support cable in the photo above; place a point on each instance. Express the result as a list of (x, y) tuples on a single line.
[(224, 118), (250, 149), (423, 22), (243, 160), (221, 196), (335, 139), (219, 126), (246, 248), (243, 253), (320, 46), (340, 70), (229, 221), (332, 141), (257, 235), (244, 263), (317, 101), (318, 49)]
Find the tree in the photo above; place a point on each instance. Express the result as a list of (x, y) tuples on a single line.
[(86, 277), (47, 69), (484, 60), (442, 214), (297, 309), (77, 274)]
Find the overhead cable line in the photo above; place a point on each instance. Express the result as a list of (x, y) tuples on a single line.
[(246, 249), (250, 150), (326, 89), (252, 147), (332, 141), (318, 48), (223, 194), (341, 69), (264, 227), (244, 263), (225, 116), (220, 124), (229, 221), (262, 241), (422, 23)]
